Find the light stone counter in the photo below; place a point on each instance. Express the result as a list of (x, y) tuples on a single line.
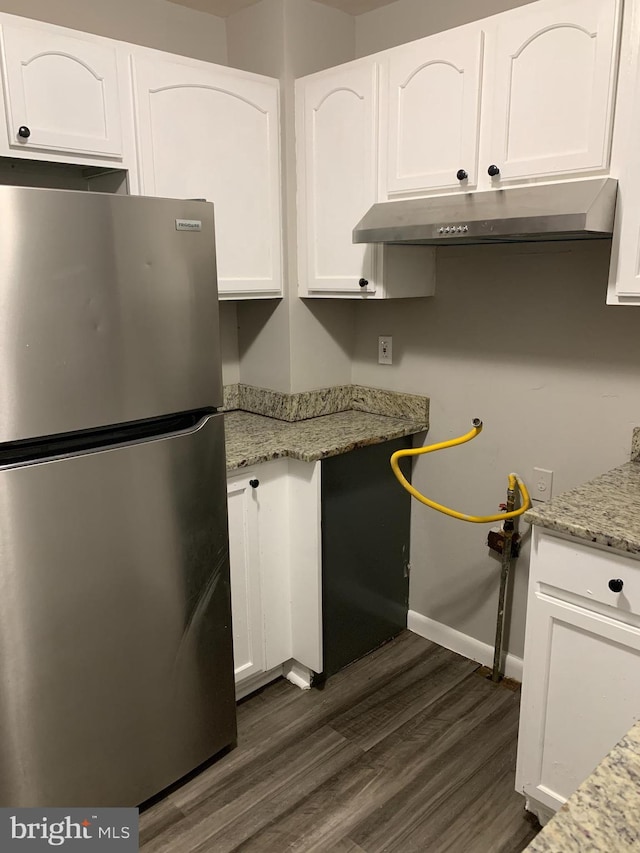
[(252, 439), (605, 510), (603, 815), (262, 424)]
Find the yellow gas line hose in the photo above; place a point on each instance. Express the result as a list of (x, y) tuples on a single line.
[(514, 480)]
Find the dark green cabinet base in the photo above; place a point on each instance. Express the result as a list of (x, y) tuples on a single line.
[(365, 553)]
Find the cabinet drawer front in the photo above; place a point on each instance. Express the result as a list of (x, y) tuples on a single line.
[(585, 571)]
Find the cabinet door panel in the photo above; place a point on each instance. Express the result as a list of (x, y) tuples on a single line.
[(624, 269), (553, 88), (246, 597), (589, 694), (581, 691), (434, 103), (64, 89), (206, 133), (337, 147)]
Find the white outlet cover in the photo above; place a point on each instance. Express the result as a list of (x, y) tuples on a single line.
[(541, 484), (385, 349)]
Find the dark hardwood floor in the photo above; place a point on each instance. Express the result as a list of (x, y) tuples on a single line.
[(409, 749)]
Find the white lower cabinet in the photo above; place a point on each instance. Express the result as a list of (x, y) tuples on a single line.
[(581, 684), (246, 594), (274, 549)]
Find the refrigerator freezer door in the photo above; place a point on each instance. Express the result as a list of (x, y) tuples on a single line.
[(109, 310), (115, 626)]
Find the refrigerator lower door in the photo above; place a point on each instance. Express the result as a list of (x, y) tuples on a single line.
[(115, 625)]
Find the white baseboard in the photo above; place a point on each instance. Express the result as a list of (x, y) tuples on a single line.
[(461, 643), (255, 682)]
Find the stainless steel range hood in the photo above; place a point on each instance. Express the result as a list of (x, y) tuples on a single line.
[(569, 210)]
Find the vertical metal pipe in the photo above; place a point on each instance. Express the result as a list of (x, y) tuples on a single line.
[(508, 530)]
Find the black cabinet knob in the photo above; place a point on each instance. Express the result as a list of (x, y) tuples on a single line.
[(24, 132), (462, 175), (615, 585), (254, 483), (493, 171), (363, 282)]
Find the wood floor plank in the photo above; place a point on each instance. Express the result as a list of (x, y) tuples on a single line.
[(345, 845), (267, 728), (376, 783), (233, 812), (362, 678), (383, 712), (157, 820), (438, 807), (407, 750)]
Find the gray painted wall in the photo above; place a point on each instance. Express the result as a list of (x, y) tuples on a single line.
[(520, 337), (292, 345), (406, 20), (153, 23)]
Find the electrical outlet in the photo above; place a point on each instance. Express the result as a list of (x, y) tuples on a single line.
[(542, 484), (385, 349)]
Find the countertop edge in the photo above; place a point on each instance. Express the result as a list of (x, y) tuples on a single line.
[(288, 449), (601, 815)]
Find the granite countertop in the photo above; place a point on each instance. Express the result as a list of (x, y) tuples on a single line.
[(602, 816), (605, 510), (252, 439)]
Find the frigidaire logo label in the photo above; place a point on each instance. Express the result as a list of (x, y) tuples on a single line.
[(77, 830), (188, 225)]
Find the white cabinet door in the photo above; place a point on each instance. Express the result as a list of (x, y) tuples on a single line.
[(624, 269), (210, 132), (61, 92), (553, 89), (246, 593), (433, 113), (581, 684), (336, 114)]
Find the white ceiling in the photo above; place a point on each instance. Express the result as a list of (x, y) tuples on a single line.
[(223, 8)]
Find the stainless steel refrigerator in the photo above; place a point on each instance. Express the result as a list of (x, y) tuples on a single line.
[(116, 673)]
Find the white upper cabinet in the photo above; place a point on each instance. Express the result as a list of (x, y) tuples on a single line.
[(433, 108), (336, 131), (209, 132), (336, 115), (624, 271), (61, 92), (552, 83)]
